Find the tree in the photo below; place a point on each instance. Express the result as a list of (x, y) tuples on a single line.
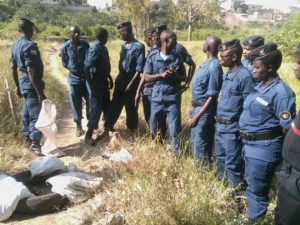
[(194, 11)]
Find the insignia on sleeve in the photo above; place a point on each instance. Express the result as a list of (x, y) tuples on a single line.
[(285, 116), (33, 52)]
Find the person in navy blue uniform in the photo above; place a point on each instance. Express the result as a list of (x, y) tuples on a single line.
[(73, 53), (288, 177), (25, 57), (249, 44), (132, 58), (205, 91), (165, 68), (99, 81), (267, 114), (238, 83), (146, 88)]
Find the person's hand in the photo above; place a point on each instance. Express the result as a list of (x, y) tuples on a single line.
[(137, 99), (18, 91), (167, 73), (128, 87), (111, 83), (41, 97), (193, 122)]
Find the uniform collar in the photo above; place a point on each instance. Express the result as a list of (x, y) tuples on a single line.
[(263, 89), (208, 61), (129, 44), (229, 76)]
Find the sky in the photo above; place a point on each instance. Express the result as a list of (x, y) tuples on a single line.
[(99, 3), (277, 4)]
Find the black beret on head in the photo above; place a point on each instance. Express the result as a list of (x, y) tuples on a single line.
[(229, 45), (150, 30), (161, 28), (24, 22), (263, 51), (126, 25), (254, 41)]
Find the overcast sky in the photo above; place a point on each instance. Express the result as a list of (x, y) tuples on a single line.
[(99, 3)]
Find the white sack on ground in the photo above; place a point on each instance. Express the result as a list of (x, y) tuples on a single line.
[(122, 156), (45, 166), (11, 192), (46, 124), (75, 185)]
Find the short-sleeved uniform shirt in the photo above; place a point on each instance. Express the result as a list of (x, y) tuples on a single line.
[(235, 88), (73, 58), (208, 81), (25, 53), (167, 89), (147, 90), (98, 64), (183, 53)]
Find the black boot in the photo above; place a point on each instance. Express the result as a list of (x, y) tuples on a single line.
[(35, 147), (88, 137), (79, 131)]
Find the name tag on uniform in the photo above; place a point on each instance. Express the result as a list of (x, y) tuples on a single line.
[(261, 101)]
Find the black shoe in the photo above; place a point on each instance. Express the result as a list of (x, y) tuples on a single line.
[(28, 141), (88, 137), (35, 148), (79, 132)]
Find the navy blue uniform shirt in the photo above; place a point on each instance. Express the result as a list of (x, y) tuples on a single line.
[(25, 53), (268, 107), (208, 81), (166, 89), (73, 59), (235, 88), (183, 53), (97, 63), (132, 58)]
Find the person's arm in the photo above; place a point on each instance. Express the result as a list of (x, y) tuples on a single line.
[(155, 77), (139, 90), (191, 71), (16, 80), (64, 57), (92, 57), (194, 121), (136, 75), (34, 78)]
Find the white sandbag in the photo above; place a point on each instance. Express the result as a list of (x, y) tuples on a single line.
[(11, 192), (46, 124), (45, 166), (75, 185), (122, 156)]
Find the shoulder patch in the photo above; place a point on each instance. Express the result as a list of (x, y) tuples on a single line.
[(285, 116), (33, 52)]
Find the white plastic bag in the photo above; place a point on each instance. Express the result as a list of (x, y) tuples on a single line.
[(75, 186), (45, 166), (46, 124), (11, 192), (122, 156)]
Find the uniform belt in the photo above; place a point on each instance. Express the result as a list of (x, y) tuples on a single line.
[(261, 136), (223, 121), (126, 74), (197, 103)]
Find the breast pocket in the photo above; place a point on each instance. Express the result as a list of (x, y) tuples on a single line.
[(259, 108), (235, 99)]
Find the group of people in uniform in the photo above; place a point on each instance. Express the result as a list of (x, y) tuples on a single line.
[(246, 113)]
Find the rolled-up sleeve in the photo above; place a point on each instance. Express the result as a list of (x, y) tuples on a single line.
[(140, 59), (148, 68), (215, 83), (285, 110)]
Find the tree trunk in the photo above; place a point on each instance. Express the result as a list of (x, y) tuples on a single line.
[(190, 32)]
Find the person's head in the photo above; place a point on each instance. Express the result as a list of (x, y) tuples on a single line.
[(74, 34), (102, 35), (230, 53), (251, 43), (296, 66), (158, 31), (125, 31), (148, 35), (26, 27), (266, 60), (168, 40), (211, 45)]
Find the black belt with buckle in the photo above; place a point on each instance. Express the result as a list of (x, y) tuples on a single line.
[(197, 103), (223, 121), (261, 136)]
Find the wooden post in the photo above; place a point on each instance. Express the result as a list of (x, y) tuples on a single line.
[(11, 106)]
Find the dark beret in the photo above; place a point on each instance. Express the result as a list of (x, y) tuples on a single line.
[(23, 21), (161, 28), (229, 45), (150, 30), (125, 25), (263, 51), (254, 41)]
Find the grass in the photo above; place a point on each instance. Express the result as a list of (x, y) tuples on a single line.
[(154, 189)]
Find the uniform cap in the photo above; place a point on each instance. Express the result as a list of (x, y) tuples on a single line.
[(23, 21), (229, 45), (263, 51), (161, 28), (150, 30), (126, 25), (254, 41)]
